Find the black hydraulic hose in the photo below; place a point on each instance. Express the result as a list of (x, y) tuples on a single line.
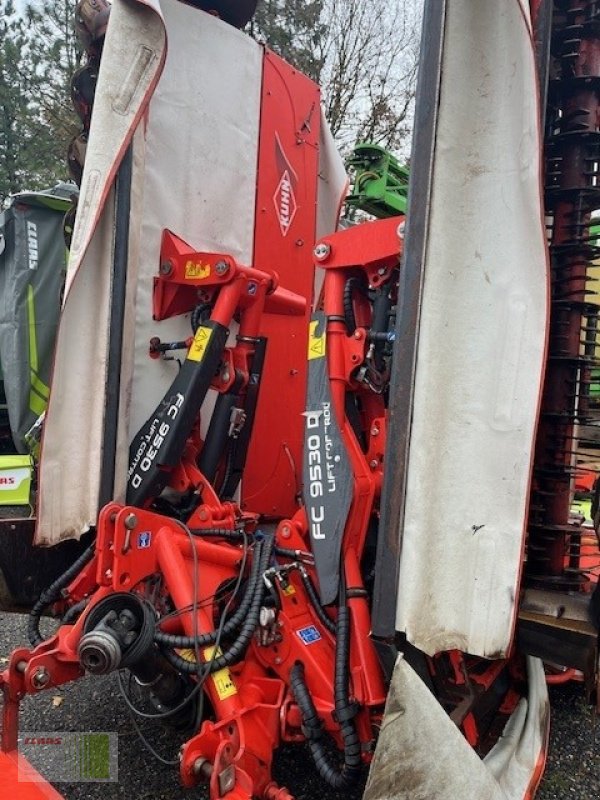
[(181, 664), (316, 603), (380, 332), (345, 711), (286, 552), (74, 612), (237, 649), (52, 594), (199, 315), (349, 287), (218, 533), (381, 310), (312, 728), (232, 624)]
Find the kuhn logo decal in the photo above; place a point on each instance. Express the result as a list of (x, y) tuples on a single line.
[(284, 198)]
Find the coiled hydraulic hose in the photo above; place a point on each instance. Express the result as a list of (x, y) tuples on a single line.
[(232, 624), (349, 287), (345, 711), (52, 594), (236, 650)]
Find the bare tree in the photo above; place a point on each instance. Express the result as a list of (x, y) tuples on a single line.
[(369, 65)]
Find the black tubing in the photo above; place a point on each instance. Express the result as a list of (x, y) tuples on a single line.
[(313, 730), (220, 533), (349, 287), (232, 624), (311, 722), (328, 623), (73, 613), (345, 711), (237, 649), (52, 594), (199, 315)]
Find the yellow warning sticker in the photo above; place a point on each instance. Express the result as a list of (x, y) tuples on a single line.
[(316, 343), (194, 269), (200, 343), (222, 680), (289, 590), (187, 654)]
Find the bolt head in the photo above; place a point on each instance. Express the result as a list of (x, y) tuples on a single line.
[(221, 267), (401, 229), (322, 251), (130, 521), (374, 463), (41, 678), (166, 268)]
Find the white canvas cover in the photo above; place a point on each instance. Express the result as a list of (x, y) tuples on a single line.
[(422, 755), (186, 87), (481, 342)]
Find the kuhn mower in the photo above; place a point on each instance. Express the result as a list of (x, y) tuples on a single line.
[(324, 477)]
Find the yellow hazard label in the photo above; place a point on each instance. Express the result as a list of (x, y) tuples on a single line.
[(187, 655), (194, 269), (289, 590), (222, 680), (316, 344), (200, 343)]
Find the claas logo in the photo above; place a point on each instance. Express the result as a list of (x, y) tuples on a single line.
[(194, 269)]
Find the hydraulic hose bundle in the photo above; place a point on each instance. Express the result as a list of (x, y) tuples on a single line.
[(52, 594), (345, 711), (247, 615)]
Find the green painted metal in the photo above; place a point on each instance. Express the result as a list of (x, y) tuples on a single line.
[(379, 182)]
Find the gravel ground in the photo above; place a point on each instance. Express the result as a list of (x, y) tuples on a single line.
[(573, 770)]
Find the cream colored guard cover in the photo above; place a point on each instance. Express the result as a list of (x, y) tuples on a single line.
[(481, 343), (193, 109), (422, 755)]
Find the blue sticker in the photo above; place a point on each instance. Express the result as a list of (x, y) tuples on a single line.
[(309, 635), (144, 540)]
